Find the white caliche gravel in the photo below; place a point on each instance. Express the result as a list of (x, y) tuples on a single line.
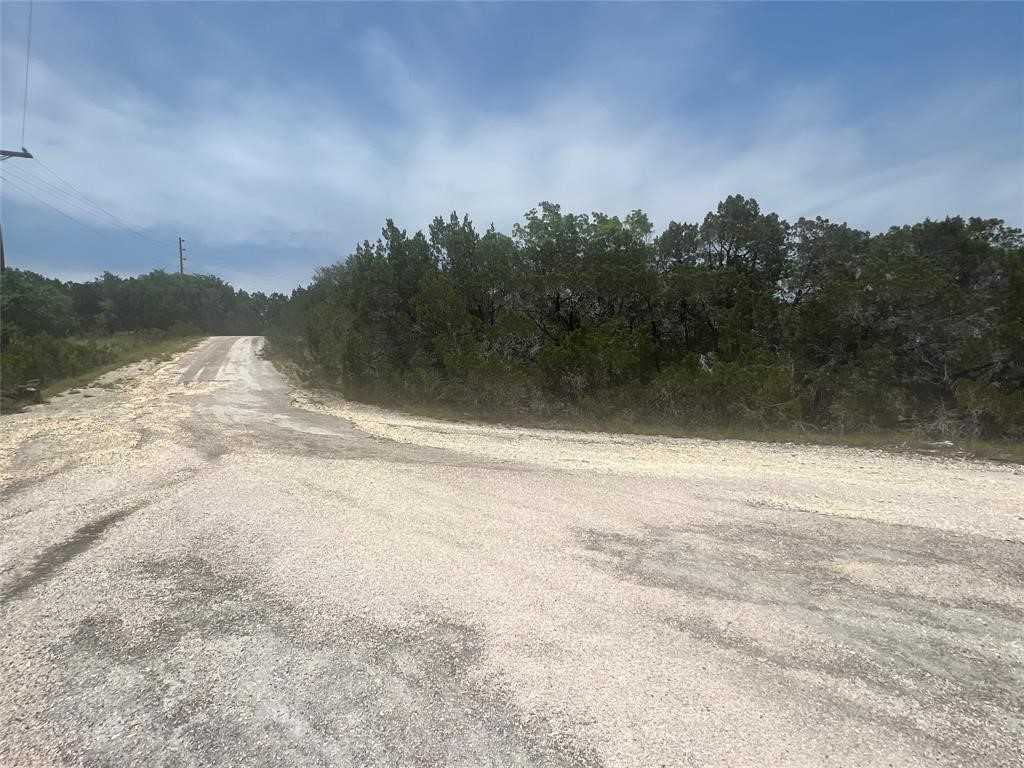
[(199, 566)]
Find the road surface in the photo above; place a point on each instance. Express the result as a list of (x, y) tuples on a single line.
[(200, 566)]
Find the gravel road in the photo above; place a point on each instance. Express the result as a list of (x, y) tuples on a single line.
[(200, 566)]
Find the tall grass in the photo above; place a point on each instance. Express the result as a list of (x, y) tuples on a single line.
[(60, 364)]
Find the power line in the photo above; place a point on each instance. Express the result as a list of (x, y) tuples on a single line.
[(81, 195), (38, 184), (28, 52), (48, 205), (30, 178), (45, 183), (86, 198)]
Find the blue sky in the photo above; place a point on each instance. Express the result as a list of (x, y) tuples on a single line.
[(275, 136)]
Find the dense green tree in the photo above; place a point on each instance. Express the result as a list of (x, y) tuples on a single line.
[(32, 304), (741, 319)]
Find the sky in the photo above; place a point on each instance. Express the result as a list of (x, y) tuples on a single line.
[(273, 137)]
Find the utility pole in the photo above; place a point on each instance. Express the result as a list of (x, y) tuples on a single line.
[(4, 154), (181, 258)]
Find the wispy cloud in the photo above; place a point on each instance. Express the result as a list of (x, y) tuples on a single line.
[(266, 165)]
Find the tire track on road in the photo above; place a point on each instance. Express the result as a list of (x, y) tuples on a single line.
[(56, 556)]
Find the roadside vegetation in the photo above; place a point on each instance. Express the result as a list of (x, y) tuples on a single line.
[(64, 334), (113, 352), (740, 325)]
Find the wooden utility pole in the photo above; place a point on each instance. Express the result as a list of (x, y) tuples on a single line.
[(181, 258), (6, 153)]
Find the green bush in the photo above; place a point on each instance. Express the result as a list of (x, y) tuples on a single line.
[(727, 393), (182, 328), (591, 360), (48, 359), (990, 412)]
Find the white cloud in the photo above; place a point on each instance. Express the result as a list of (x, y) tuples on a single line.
[(268, 166)]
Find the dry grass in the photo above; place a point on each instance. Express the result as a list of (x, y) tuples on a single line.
[(127, 349)]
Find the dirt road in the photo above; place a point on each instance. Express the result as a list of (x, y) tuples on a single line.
[(199, 567)]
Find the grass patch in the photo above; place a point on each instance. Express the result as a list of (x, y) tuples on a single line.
[(125, 350), (65, 365)]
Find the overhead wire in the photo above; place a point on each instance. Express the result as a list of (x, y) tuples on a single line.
[(81, 201), (45, 183), (28, 54), (24, 185), (86, 198), (30, 183), (65, 214), (47, 204), (45, 188), (200, 265)]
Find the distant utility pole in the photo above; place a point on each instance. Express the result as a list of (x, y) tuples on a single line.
[(4, 154), (181, 258)]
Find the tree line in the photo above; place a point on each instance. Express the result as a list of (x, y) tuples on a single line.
[(743, 319)]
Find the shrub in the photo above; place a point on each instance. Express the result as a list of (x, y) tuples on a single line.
[(48, 359), (990, 412)]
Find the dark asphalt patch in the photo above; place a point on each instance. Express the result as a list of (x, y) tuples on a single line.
[(948, 657), (225, 673), (55, 557), (16, 487)]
